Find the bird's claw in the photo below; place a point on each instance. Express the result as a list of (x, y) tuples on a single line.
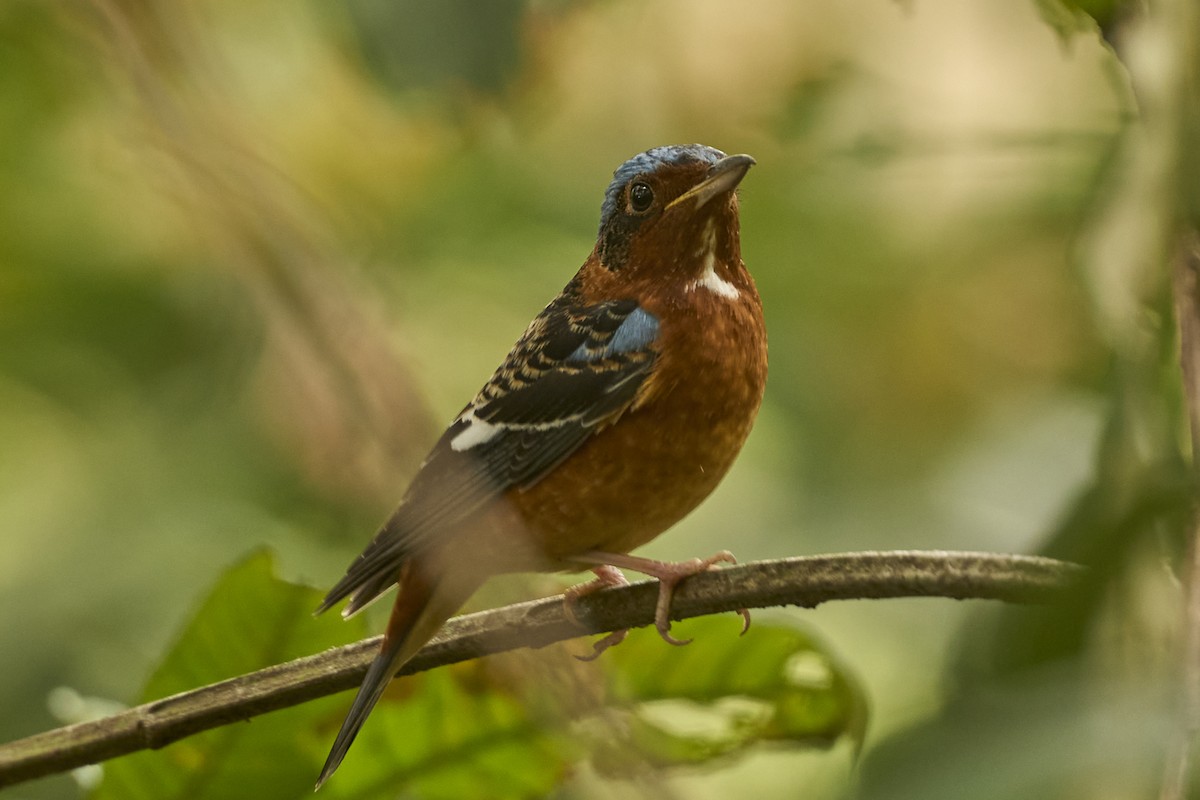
[(611, 640), (669, 575), (606, 576), (665, 633)]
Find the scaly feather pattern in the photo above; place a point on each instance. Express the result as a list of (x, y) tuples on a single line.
[(573, 371)]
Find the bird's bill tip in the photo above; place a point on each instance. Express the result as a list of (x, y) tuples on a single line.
[(732, 162), (722, 177)]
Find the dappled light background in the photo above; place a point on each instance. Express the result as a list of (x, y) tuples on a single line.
[(253, 255)]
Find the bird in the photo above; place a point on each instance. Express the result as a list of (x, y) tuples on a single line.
[(618, 410)]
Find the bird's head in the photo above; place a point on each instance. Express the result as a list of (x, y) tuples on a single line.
[(671, 214)]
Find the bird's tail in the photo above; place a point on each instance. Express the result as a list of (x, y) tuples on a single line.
[(421, 608)]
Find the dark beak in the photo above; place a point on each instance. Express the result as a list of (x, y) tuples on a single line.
[(722, 177)]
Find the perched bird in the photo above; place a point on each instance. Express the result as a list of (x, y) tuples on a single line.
[(618, 410)]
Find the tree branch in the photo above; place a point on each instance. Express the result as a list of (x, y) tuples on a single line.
[(805, 582), (1186, 289)]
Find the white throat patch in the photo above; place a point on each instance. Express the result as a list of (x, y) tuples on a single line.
[(709, 279)]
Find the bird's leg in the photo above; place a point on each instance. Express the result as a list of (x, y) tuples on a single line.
[(606, 576), (669, 574)]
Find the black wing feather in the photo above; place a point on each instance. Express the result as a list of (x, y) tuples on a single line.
[(561, 383)]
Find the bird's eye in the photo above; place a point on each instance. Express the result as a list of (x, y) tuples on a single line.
[(641, 197)]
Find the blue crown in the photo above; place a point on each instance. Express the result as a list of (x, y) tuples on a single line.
[(649, 161)]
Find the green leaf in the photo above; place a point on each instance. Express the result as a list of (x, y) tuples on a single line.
[(452, 733), (723, 693), (250, 620), (1070, 17)]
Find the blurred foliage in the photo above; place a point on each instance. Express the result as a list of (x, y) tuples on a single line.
[(487, 728), (253, 254), (446, 47), (248, 620), (789, 690)]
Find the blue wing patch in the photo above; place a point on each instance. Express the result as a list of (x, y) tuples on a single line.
[(636, 332)]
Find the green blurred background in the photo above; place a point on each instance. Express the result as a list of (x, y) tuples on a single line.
[(254, 254)]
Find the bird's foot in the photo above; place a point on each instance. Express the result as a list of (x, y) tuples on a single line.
[(606, 576), (669, 575)]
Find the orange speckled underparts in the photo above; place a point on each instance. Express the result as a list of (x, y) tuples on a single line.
[(685, 427)]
